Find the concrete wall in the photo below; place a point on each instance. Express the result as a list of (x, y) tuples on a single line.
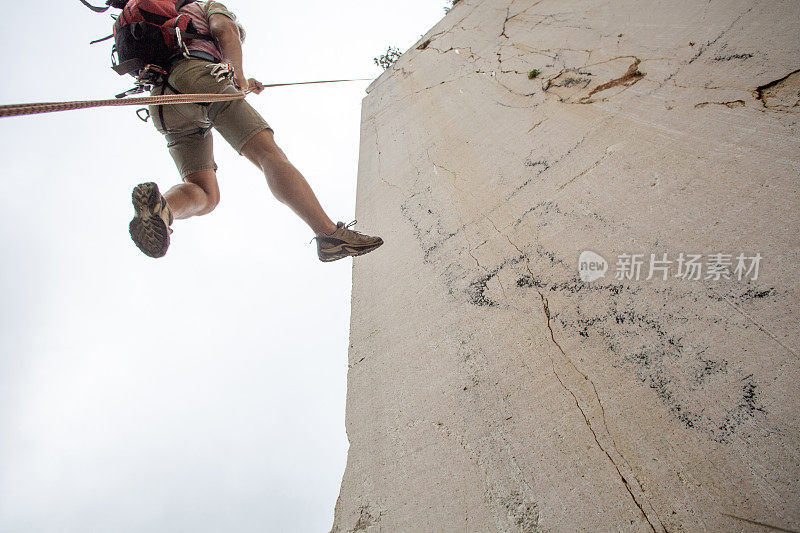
[(490, 388)]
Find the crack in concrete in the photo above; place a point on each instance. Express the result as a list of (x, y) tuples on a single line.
[(631, 76), (583, 79), (378, 160), (456, 49), (461, 220), (626, 483), (510, 17), (762, 524), (759, 326), (732, 104), (768, 91), (592, 167), (538, 124)]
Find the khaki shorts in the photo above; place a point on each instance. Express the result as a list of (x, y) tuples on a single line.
[(187, 127)]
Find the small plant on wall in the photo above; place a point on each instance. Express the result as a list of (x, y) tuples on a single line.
[(388, 59)]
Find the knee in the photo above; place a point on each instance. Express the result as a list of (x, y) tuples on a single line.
[(263, 149), (212, 199), (205, 190), (272, 154)]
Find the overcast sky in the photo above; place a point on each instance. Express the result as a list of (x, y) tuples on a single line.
[(204, 391)]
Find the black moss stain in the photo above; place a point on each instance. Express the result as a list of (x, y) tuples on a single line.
[(570, 77), (646, 337), (569, 81), (755, 294), (749, 407), (537, 166), (523, 512), (477, 291), (548, 212), (748, 294), (426, 222), (365, 519), (647, 342), (733, 56), (478, 288), (709, 368), (530, 163)]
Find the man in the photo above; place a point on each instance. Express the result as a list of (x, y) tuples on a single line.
[(187, 130)]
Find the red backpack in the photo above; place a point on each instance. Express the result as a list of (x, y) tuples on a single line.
[(149, 33)]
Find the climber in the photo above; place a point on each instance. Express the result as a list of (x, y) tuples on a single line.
[(215, 66)]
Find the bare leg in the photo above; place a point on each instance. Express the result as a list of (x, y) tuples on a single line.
[(286, 182), (198, 195)]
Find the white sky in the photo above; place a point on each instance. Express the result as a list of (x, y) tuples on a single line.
[(204, 391)]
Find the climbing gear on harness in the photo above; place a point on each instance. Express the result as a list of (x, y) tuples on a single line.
[(345, 242), (222, 71), (149, 77)]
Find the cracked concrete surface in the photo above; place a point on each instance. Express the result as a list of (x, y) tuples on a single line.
[(489, 388)]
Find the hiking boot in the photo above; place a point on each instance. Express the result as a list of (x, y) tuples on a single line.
[(150, 227), (345, 242)]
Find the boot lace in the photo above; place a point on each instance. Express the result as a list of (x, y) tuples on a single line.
[(346, 226)]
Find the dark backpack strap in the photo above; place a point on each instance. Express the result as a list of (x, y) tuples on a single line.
[(170, 87), (191, 33), (95, 8), (197, 36), (102, 39), (160, 109)]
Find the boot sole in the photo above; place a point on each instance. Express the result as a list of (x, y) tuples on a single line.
[(343, 250), (148, 230)]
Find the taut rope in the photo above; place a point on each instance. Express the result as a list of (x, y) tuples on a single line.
[(18, 110)]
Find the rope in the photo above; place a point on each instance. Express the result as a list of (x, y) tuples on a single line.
[(18, 110), (171, 99)]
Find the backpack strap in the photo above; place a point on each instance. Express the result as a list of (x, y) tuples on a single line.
[(95, 8), (197, 36), (116, 4)]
